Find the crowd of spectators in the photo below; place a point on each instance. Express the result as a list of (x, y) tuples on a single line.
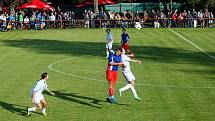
[(61, 19), (36, 20)]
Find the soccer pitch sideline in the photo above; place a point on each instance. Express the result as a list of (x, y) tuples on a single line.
[(176, 80)]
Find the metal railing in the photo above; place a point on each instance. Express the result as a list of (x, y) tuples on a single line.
[(109, 23)]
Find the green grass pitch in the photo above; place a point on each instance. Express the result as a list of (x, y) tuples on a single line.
[(176, 80)]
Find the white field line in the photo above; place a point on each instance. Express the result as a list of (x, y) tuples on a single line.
[(82, 77), (192, 43), (50, 66)]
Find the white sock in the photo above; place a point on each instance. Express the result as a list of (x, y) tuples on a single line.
[(107, 53), (125, 87), (134, 91), (43, 110), (32, 109)]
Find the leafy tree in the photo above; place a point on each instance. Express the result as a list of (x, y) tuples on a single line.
[(11, 3)]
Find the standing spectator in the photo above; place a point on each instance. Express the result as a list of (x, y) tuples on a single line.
[(174, 18), (118, 20), (163, 19), (26, 22), (145, 18), (153, 16), (129, 18), (195, 17), (92, 19), (52, 20), (43, 20), (59, 20), (21, 20), (104, 21), (169, 20), (190, 19), (156, 22), (180, 20), (73, 18), (200, 16), (86, 19), (32, 21), (124, 22), (206, 17), (211, 17), (4, 24), (39, 16), (16, 20), (184, 14)]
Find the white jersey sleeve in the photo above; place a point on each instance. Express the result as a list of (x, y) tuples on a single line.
[(125, 58)]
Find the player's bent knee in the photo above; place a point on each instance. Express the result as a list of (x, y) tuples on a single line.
[(39, 106), (45, 104)]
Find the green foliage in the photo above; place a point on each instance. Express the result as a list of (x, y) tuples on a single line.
[(202, 4)]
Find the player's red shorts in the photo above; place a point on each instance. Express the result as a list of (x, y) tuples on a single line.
[(112, 76), (125, 46)]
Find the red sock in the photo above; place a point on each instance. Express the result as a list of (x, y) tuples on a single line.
[(111, 91)]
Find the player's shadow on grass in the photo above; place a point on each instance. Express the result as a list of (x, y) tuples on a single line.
[(13, 108), (74, 48), (78, 99), (77, 48), (147, 53)]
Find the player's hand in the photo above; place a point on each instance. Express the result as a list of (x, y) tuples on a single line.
[(139, 62), (53, 94), (121, 65)]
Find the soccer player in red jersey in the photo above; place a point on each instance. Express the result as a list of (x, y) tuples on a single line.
[(114, 60)]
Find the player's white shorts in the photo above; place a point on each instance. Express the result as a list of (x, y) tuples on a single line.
[(128, 75), (38, 98), (109, 45)]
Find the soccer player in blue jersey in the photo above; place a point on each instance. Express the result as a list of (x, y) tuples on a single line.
[(125, 40), (114, 60)]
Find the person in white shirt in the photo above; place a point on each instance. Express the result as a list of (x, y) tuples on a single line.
[(37, 96), (128, 74), (52, 19), (109, 42), (26, 22)]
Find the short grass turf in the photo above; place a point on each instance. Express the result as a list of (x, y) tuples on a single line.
[(176, 81)]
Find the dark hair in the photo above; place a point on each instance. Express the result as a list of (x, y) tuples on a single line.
[(124, 29), (44, 75), (120, 49), (107, 30)]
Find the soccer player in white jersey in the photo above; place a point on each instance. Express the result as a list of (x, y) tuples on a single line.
[(37, 96), (128, 74), (109, 42)]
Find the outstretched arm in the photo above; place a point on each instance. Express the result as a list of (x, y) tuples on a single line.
[(50, 92), (136, 61), (115, 64)]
